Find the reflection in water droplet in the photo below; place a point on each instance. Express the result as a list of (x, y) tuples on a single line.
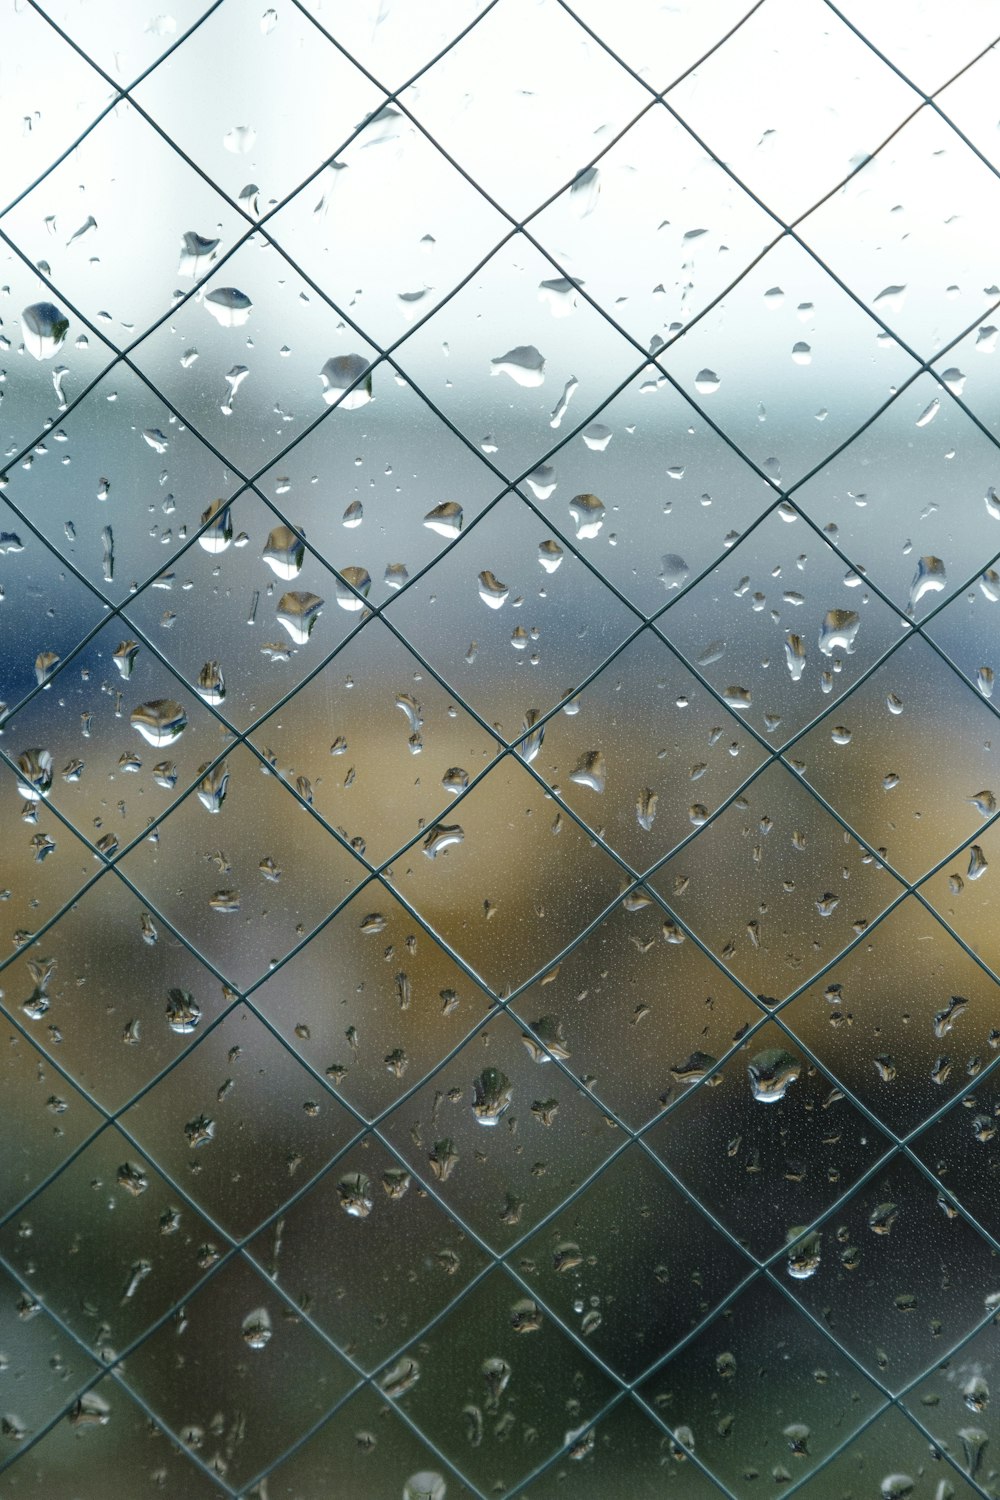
[(218, 523), (44, 328), (160, 722), (401, 1378), (298, 613), (211, 684), (356, 1196), (355, 581), (550, 555), (930, 578), (803, 1262), (197, 254), (183, 1012), (257, 1328), (284, 552), (492, 1092), (588, 514), (229, 307), (645, 808), (213, 786), (795, 655), (491, 590), (673, 571), (591, 771), (346, 373), (445, 519), (838, 630), (771, 1074), (425, 1485), (523, 364), (441, 837), (35, 768)]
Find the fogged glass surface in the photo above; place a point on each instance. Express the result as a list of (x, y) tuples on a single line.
[(499, 545)]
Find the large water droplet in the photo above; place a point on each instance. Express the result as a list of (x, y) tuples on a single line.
[(445, 519), (161, 722), (44, 327), (342, 372), (930, 578), (359, 579), (229, 307), (523, 364), (588, 513), (771, 1074), (838, 630), (492, 1092), (285, 552), (298, 613)]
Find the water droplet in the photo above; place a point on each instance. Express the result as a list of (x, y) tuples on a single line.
[(591, 771), (597, 436), (838, 631), (257, 1328), (588, 514), (346, 371), (930, 578), (284, 552), (446, 519), (645, 808), (795, 655), (694, 1068), (492, 1092), (984, 681), (183, 1012), (526, 1316), (974, 1440), (298, 613), (977, 863), (673, 571), (803, 1262), (546, 1040), (491, 590), (706, 382), (229, 307), (218, 523), (44, 327), (560, 294), (213, 786), (197, 253), (584, 191), (542, 481), (771, 1074), (425, 1485), (455, 780), (523, 364), (356, 1196), (550, 555), (883, 1217), (442, 836), (160, 722), (897, 1486), (354, 579), (211, 684)]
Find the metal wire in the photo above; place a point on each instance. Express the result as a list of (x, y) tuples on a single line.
[(653, 625)]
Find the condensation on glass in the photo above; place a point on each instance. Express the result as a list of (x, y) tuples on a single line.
[(499, 546)]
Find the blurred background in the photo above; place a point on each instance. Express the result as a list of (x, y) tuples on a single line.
[(316, 498)]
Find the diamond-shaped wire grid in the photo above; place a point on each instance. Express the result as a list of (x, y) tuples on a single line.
[(500, 983)]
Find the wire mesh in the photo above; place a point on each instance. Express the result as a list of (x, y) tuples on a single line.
[(376, 875)]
